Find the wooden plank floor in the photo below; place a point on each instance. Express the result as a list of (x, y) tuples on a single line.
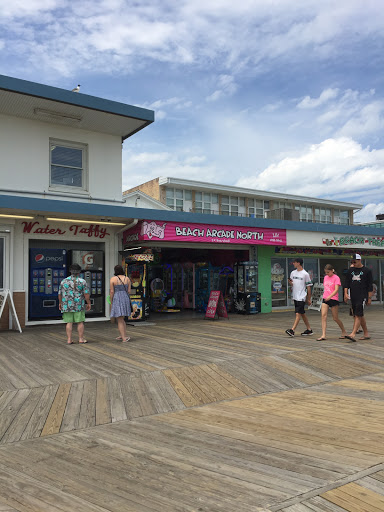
[(193, 416)]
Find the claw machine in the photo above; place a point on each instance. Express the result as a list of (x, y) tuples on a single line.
[(247, 300), (137, 271)]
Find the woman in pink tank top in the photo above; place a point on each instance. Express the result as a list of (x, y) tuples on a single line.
[(332, 284)]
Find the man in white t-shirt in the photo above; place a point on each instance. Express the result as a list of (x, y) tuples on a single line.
[(301, 293)]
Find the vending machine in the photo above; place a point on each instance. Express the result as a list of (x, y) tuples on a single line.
[(246, 297), (47, 268), (137, 271), (92, 270)]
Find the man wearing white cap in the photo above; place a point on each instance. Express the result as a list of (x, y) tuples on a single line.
[(359, 282)]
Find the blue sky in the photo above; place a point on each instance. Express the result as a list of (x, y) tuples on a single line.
[(266, 94)]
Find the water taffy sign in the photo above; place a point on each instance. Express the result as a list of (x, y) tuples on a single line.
[(157, 231)]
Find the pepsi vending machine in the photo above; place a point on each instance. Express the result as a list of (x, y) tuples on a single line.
[(47, 268), (92, 270)]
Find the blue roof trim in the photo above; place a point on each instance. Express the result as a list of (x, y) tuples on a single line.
[(125, 213), (82, 100)]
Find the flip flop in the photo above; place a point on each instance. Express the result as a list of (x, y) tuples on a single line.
[(342, 337), (349, 338), (365, 338), (85, 341), (118, 338), (321, 339), (69, 342), (126, 339)]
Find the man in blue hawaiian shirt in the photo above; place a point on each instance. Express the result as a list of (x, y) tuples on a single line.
[(73, 294)]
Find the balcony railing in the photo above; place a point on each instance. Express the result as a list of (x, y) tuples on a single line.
[(286, 215)]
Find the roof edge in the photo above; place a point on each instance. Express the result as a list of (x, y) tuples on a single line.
[(49, 92), (253, 192)]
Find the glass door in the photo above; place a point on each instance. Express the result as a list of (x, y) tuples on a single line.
[(279, 282), (373, 265)]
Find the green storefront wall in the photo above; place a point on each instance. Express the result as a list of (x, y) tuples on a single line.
[(265, 253)]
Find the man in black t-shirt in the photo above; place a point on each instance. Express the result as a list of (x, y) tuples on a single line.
[(359, 282)]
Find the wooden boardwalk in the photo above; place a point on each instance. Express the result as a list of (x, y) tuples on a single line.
[(193, 415)]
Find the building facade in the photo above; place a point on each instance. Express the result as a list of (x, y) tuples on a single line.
[(208, 198), (61, 202), (60, 192)]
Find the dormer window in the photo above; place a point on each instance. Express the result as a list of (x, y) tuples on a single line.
[(68, 166)]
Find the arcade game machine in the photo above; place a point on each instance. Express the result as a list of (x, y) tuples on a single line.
[(92, 270), (246, 298), (202, 286), (137, 271), (47, 268)]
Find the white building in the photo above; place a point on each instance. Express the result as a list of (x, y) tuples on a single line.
[(60, 183)]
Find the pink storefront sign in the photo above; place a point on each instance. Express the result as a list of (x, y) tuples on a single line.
[(158, 231)]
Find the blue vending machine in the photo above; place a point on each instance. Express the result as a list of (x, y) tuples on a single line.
[(47, 268)]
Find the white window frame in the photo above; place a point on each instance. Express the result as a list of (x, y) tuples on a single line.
[(174, 202), (305, 212), (339, 216), (256, 208), (85, 173), (205, 204)]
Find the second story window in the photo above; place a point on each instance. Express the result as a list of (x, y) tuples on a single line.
[(323, 215), (68, 166), (306, 214), (175, 198), (341, 216), (206, 202), (230, 205), (256, 208)]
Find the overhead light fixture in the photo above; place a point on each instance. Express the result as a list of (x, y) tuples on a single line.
[(50, 114), (87, 221), (16, 216), (132, 249)]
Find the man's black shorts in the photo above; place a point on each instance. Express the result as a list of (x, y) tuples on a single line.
[(299, 306), (358, 307)]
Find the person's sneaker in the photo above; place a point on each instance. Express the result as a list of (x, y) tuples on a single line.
[(307, 332), (290, 332)]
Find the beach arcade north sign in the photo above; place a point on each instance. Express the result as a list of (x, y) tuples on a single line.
[(148, 230)]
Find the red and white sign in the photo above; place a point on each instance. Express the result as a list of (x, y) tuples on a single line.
[(216, 304), (91, 230), (181, 232)]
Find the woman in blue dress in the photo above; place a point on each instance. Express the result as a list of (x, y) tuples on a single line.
[(119, 290)]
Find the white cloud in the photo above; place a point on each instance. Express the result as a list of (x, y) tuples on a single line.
[(339, 169), (226, 87), (325, 96), (369, 212), (20, 8), (122, 36), (163, 106), (368, 120), (141, 167)]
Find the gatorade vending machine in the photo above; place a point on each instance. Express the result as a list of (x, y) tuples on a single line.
[(92, 270), (47, 268)]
